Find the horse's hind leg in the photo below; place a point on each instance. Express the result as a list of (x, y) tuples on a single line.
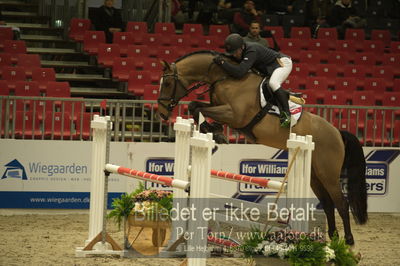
[(328, 175), (326, 203)]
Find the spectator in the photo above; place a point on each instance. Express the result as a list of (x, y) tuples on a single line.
[(281, 7), (225, 12), (3, 23), (207, 11), (343, 15), (254, 34), (243, 18), (108, 19)]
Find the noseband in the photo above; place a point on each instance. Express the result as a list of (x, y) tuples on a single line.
[(173, 100)]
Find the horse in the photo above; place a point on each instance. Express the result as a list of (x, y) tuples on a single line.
[(236, 103)]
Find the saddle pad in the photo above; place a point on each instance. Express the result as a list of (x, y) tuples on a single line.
[(295, 109)]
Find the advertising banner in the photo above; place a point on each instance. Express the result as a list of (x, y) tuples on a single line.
[(56, 174)]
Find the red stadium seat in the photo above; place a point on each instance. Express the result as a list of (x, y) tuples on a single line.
[(330, 71), (193, 29), (123, 39), (395, 47), (14, 48), (363, 98), (27, 88), (219, 30), (136, 27), (58, 89), (137, 81), (77, 28), (138, 51), (277, 31), (58, 125), (335, 98), (316, 83), (5, 60), (152, 39), (83, 126), (291, 46), (164, 28), (107, 52), (43, 74), (168, 54), (375, 84), (301, 70), (29, 62), (6, 33), (27, 125), (346, 46), (359, 72), (391, 59), (374, 133), (349, 125), (345, 84), (292, 83), (320, 45), (355, 34), (310, 57), (327, 33), (300, 33), (122, 67), (210, 42), (373, 46), (381, 35), (368, 59), (13, 73), (92, 41), (396, 133), (339, 58), (391, 98)]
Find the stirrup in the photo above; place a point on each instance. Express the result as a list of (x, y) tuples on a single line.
[(284, 119)]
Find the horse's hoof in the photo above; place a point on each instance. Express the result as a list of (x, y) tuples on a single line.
[(214, 150), (349, 240), (220, 138)]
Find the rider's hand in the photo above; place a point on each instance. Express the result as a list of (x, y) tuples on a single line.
[(218, 60)]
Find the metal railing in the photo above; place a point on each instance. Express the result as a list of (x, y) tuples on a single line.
[(137, 120)]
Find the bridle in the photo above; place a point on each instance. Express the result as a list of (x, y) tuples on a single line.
[(173, 100)]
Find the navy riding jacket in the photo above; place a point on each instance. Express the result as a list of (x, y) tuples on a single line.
[(254, 55)]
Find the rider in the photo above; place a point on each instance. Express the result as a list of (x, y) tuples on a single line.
[(264, 60)]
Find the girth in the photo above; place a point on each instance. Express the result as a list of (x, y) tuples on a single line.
[(248, 129)]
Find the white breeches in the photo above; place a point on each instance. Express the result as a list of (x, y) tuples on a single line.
[(281, 73)]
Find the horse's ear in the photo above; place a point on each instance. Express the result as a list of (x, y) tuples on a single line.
[(165, 65)]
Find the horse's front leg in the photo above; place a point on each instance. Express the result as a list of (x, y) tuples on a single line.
[(222, 114), (205, 127)]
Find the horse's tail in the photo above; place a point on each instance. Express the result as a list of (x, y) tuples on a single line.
[(354, 167)]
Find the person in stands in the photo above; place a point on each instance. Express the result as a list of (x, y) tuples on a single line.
[(343, 15), (109, 20), (254, 34), (243, 18), (264, 60)]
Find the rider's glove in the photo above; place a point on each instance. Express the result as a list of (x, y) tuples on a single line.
[(218, 60)]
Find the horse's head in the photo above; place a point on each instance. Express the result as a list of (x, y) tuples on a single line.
[(172, 90)]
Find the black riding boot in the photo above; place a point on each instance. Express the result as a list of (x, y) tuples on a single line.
[(282, 101)]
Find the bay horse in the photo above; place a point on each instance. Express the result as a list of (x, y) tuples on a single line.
[(235, 102)]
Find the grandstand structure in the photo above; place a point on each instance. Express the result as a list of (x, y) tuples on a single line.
[(62, 72)]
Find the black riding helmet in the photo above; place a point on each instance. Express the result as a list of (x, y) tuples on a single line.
[(233, 42)]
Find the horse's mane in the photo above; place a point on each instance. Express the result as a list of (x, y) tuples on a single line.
[(198, 52)]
